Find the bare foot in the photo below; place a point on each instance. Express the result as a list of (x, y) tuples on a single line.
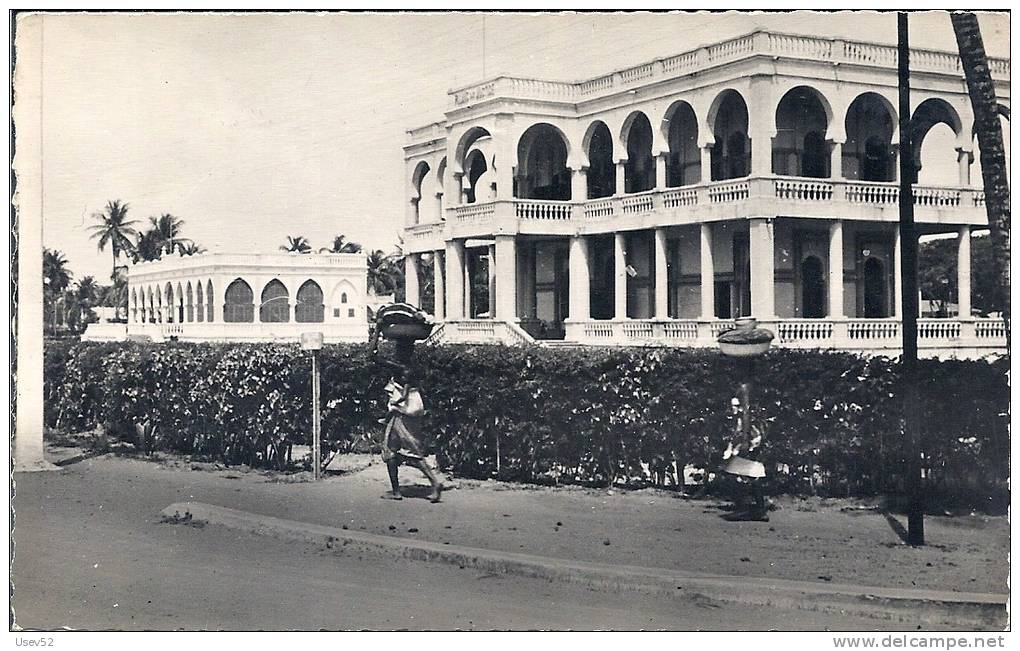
[(390, 495), (436, 494)]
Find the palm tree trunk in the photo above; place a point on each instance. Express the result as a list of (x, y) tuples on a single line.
[(993, 157)]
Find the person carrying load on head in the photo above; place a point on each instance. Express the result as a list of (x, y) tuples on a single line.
[(741, 457)]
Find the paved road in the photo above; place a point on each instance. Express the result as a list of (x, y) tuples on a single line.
[(92, 554)]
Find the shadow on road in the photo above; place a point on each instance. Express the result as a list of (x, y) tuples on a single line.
[(895, 525)]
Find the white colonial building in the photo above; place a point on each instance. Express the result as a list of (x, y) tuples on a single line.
[(650, 205), (245, 297)]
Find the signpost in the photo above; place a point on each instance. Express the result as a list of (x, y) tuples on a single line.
[(312, 341)]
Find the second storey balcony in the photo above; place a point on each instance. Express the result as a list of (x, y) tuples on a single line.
[(705, 202)]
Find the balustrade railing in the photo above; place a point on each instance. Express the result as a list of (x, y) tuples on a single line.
[(543, 210), (680, 330), (728, 192), (770, 44), (990, 329), (872, 329), (475, 213), (813, 330), (974, 337), (598, 209), (679, 197), (799, 190), (637, 203), (938, 329)]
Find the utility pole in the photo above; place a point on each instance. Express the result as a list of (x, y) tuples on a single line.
[(909, 306)]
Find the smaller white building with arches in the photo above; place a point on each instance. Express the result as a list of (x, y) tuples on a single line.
[(246, 297)]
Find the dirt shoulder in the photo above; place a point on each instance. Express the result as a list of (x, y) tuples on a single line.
[(814, 540)]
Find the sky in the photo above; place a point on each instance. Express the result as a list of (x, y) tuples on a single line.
[(253, 127)]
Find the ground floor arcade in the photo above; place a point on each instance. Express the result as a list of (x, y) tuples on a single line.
[(818, 280)]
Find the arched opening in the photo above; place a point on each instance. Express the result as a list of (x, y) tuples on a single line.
[(475, 168), (200, 303), (150, 306), (799, 148), (179, 304), (168, 293), (462, 163), (868, 151), (238, 303), (423, 207), (209, 301), (976, 179), (134, 306), (639, 170), (731, 153), (683, 166), (274, 306), (542, 165), (812, 278), (190, 303), (601, 169), (935, 129), (309, 303), (874, 289)]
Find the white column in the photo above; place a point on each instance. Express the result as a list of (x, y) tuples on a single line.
[(963, 272), (412, 288), (964, 158), (580, 279), (579, 184), (836, 269), (761, 126), (763, 292), (466, 284), (439, 285), (439, 206), (836, 160), (660, 171), (506, 277), (897, 278), (455, 279), (504, 168), (493, 270), (706, 163), (453, 189), (661, 275), (28, 435), (620, 279), (707, 274), (621, 177)]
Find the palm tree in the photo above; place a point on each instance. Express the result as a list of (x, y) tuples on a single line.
[(56, 278), (382, 273), (82, 299), (113, 229), (190, 248), (56, 275), (341, 245), (296, 244), (149, 247), (989, 135), (168, 229)]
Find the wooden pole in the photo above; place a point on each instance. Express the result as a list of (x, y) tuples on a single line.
[(316, 424), (909, 307)]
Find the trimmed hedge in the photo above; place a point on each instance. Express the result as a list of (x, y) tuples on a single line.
[(831, 421)]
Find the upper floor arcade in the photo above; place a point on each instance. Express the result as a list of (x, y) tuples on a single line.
[(764, 124)]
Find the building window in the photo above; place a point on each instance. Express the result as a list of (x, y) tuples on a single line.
[(309, 303), (238, 304), (336, 312), (343, 298), (274, 306), (350, 312)]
